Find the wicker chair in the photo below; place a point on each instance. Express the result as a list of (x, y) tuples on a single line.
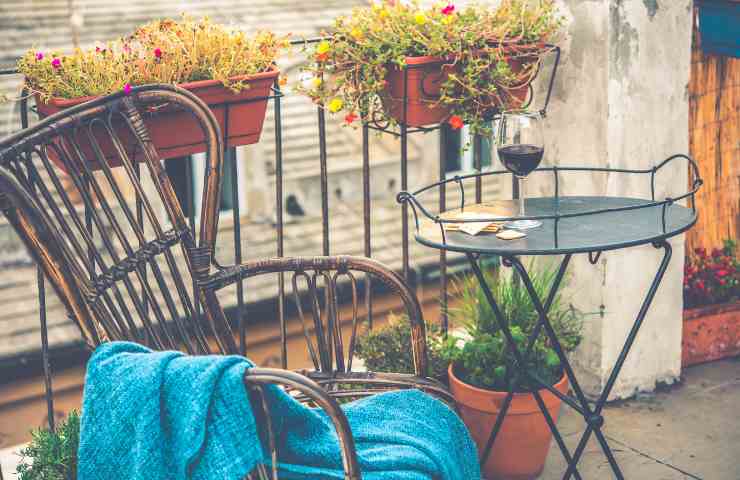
[(128, 265)]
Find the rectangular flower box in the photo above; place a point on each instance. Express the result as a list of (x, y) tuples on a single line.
[(710, 333), (175, 133)]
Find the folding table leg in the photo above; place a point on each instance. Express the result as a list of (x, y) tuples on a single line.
[(504, 326)]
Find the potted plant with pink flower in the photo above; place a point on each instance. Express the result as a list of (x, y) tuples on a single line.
[(449, 63), (711, 319), (229, 70)]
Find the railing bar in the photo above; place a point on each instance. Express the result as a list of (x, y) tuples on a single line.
[(404, 178), (280, 226), (444, 319), (367, 219), (324, 181)]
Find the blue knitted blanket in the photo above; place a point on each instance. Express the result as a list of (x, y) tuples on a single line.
[(164, 415)]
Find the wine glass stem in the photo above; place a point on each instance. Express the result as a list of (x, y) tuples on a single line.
[(522, 182)]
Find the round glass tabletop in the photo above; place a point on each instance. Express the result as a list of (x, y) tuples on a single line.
[(587, 233)]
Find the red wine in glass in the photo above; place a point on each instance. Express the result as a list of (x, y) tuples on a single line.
[(521, 146), (521, 159)]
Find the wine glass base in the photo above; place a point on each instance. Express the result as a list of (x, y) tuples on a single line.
[(523, 224)]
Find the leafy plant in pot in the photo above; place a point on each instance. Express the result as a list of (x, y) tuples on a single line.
[(481, 366), (459, 65), (228, 70)]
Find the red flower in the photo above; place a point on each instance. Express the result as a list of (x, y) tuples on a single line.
[(722, 273), (350, 118), (700, 284), (701, 252), (158, 52), (448, 10), (722, 281), (56, 63), (322, 57), (455, 122)]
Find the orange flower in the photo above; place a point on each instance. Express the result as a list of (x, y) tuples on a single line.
[(455, 122), (322, 57), (283, 81), (350, 118)]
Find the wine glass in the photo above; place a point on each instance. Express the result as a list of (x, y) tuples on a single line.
[(521, 146)]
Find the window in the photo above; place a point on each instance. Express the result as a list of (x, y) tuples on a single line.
[(461, 159), (192, 188)]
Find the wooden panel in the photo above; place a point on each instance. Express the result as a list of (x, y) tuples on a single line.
[(714, 142)]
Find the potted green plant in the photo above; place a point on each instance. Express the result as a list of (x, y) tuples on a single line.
[(228, 70), (460, 65), (711, 318), (52, 455), (481, 366)]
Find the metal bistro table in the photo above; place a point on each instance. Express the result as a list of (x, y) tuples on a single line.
[(571, 225)]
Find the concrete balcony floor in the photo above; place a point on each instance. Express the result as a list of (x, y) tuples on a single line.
[(688, 431)]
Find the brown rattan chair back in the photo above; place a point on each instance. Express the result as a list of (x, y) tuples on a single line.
[(110, 233)]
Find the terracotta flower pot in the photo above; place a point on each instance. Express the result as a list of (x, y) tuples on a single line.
[(523, 442), (425, 78), (710, 333), (175, 133)]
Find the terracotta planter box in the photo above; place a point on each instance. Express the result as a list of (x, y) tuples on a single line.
[(425, 78), (175, 133), (523, 442), (710, 333)]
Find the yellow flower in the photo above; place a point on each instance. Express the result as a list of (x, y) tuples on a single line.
[(335, 105), (323, 47), (384, 14), (356, 33), (448, 20), (420, 18), (316, 82)]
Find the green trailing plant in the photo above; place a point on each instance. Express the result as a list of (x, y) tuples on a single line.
[(52, 455), (162, 51), (350, 68), (484, 360)]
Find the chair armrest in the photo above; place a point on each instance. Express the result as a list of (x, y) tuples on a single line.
[(342, 265), (260, 377)]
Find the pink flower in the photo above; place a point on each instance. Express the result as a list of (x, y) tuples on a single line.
[(448, 10), (127, 89), (39, 56), (158, 52), (56, 63)]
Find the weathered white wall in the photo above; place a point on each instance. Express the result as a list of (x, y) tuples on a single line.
[(621, 100)]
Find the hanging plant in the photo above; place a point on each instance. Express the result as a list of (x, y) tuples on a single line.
[(463, 65)]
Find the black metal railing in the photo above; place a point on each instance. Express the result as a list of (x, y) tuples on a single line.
[(402, 132)]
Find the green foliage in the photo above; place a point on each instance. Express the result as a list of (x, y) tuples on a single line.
[(52, 456), (351, 67), (388, 349), (484, 360)]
